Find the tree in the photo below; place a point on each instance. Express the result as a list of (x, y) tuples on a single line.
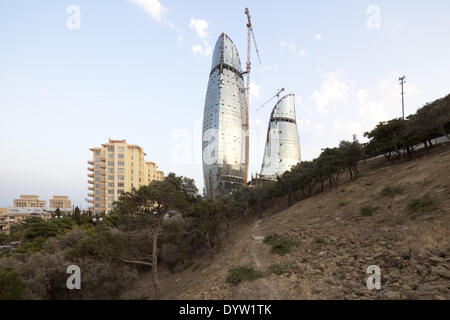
[(12, 286), (152, 203), (205, 220), (351, 152)]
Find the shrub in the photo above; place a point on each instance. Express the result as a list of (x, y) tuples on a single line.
[(243, 273), (12, 286), (320, 241), (389, 191), (368, 211), (342, 204), (277, 268), (280, 245), (424, 204)]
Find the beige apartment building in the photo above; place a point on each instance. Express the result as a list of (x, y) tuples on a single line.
[(29, 201), (4, 221), (61, 202), (117, 167)]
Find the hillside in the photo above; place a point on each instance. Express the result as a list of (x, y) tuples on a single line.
[(337, 240)]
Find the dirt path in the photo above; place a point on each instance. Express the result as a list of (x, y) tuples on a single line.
[(263, 288)]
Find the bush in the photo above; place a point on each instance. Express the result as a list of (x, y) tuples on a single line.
[(243, 273), (342, 204), (280, 245), (12, 286), (320, 241), (389, 191), (277, 268), (424, 204), (368, 211)]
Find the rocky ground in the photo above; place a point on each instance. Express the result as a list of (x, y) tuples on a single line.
[(337, 243)]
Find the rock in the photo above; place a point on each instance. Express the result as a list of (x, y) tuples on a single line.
[(393, 295), (436, 260), (258, 238), (442, 271)]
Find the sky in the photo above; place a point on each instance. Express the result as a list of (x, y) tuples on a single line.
[(75, 73)]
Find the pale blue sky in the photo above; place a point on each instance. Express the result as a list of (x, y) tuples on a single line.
[(138, 70)]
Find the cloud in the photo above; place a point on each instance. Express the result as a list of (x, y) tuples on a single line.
[(254, 90), (153, 8), (334, 89), (204, 49), (200, 27), (301, 53), (319, 37)]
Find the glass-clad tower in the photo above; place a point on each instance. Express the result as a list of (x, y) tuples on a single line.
[(223, 142), (282, 144)]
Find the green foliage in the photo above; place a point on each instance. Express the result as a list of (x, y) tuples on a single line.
[(368, 211), (12, 286), (243, 273), (4, 239), (280, 245), (423, 204), (103, 245), (278, 268), (342, 204), (389, 191), (320, 241), (31, 246)]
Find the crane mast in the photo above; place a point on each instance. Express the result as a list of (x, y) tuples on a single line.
[(250, 34)]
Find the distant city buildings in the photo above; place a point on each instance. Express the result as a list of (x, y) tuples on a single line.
[(223, 143), (282, 150), (29, 201), (61, 202), (117, 167), (4, 221), (28, 206)]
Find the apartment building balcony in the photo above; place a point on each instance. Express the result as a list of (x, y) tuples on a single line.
[(102, 186), (4, 223), (89, 200), (102, 165), (91, 175), (90, 195), (91, 181), (90, 168), (91, 163), (102, 159), (91, 188)]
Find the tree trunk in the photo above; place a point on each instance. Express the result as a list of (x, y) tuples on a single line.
[(156, 286), (350, 171), (260, 214)]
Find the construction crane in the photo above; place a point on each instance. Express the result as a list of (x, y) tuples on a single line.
[(276, 95), (250, 35)]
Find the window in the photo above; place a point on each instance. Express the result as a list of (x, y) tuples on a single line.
[(121, 163), (121, 149), (120, 191), (111, 170), (120, 184), (110, 191), (121, 156), (110, 155), (121, 170), (121, 177), (111, 198), (111, 163), (110, 149), (111, 184), (110, 177), (97, 152)]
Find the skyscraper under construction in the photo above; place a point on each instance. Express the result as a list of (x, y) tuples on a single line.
[(282, 144), (223, 145)]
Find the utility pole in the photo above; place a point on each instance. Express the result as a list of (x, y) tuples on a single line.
[(402, 82)]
